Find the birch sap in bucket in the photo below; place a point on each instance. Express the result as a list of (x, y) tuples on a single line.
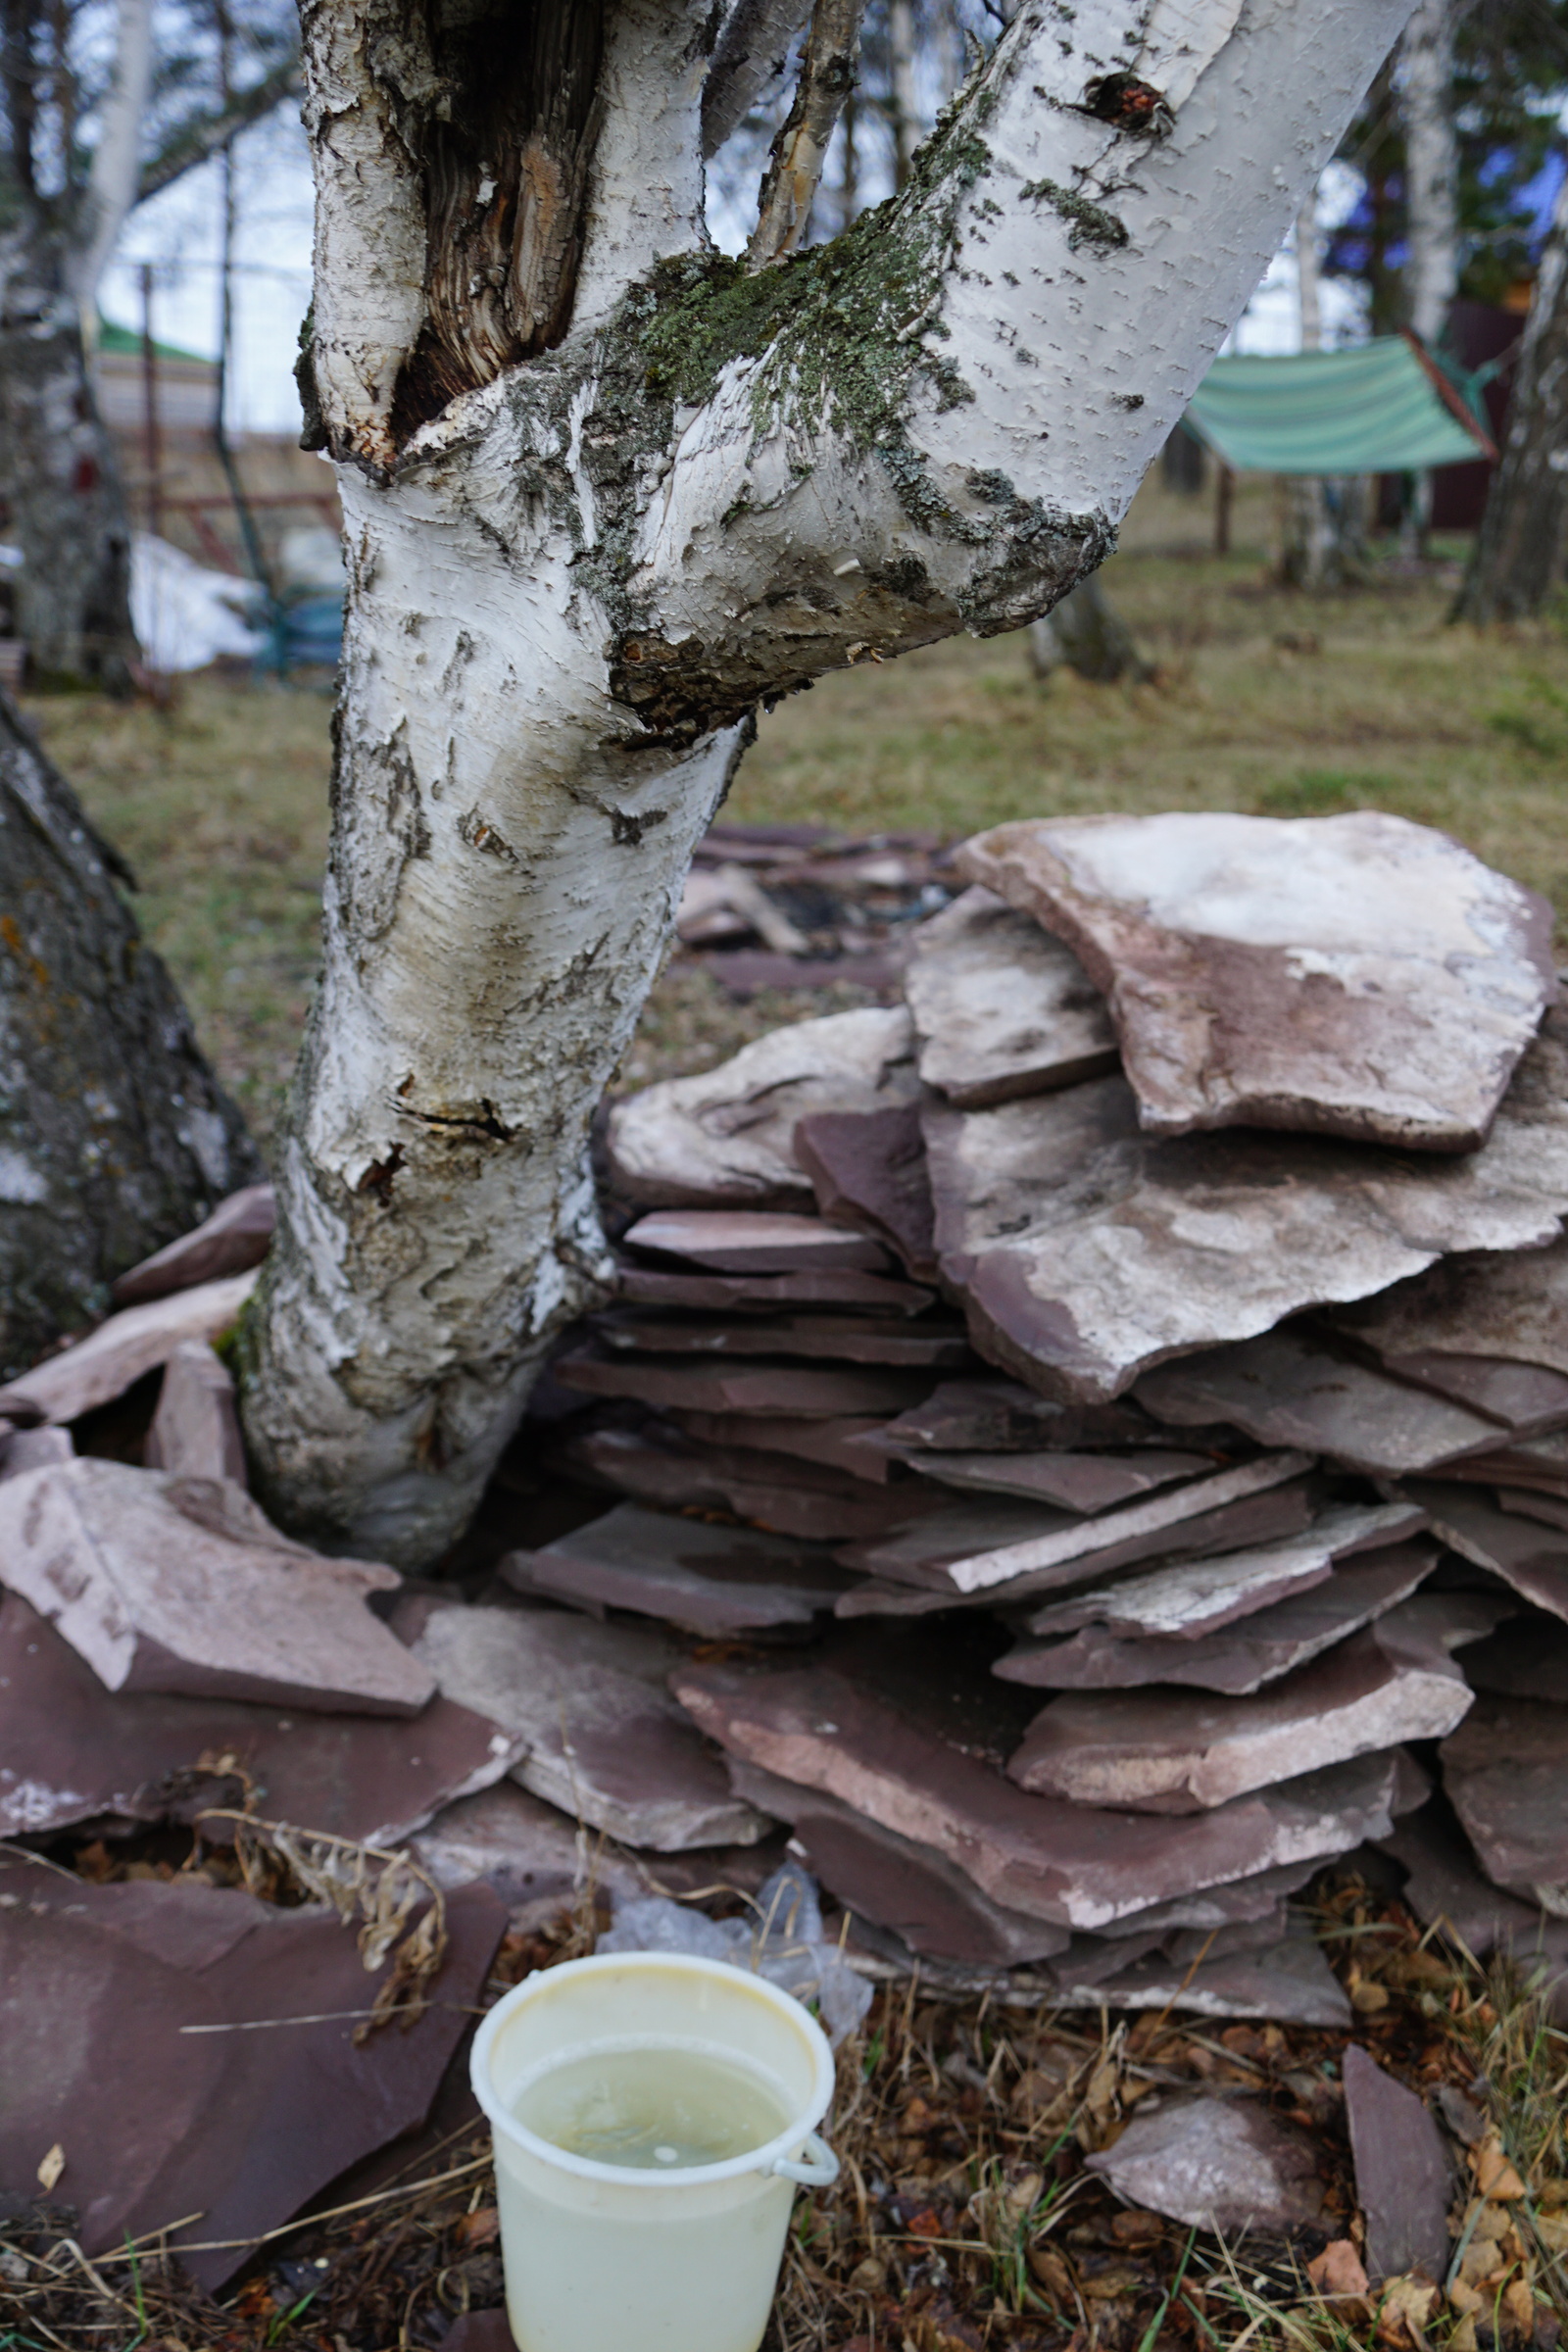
[(653, 2114)]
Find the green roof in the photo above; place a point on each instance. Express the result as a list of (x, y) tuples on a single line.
[(1385, 406), (126, 341)]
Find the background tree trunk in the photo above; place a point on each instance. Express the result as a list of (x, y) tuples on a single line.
[(1086, 633), (1432, 165), (115, 1136), (575, 567), (1519, 548)]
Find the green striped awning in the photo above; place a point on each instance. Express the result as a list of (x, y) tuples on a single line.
[(1385, 406)]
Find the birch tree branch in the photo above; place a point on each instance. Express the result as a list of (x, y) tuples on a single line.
[(111, 184), (749, 62), (795, 168), (194, 141)]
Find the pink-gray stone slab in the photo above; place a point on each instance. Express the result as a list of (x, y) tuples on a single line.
[(1001, 1008), (1241, 1656), (1530, 1557), (839, 1444), (1508, 1307), (691, 1572), (656, 1465), (1293, 1387), (605, 1741), (725, 1138), (806, 1390), (1283, 1978), (1071, 1482), (118, 2005), (1539, 1462), (1525, 1659), (1001, 1416), (180, 1585), (1446, 1890), (1505, 1773), (33, 1449), (1220, 2164), (994, 1546), (1198, 1596), (1073, 1864), (768, 1293), (1085, 1252), (1354, 975), (111, 1359), (195, 1431), (233, 1240), (753, 1241), (869, 1172), (1177, 1752), (73, 1751), (1403, 2177), (824, 1339), (1255, 1519)]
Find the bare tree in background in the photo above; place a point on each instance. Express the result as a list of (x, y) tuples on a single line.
[(605, 491)]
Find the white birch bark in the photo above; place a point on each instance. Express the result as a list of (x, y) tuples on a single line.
[(569, 587), (1431, 163), (113, 181)]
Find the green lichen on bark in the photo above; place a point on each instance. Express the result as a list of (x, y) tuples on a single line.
[(1087, 224)]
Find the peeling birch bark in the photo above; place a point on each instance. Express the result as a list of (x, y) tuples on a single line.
[(571, 583)]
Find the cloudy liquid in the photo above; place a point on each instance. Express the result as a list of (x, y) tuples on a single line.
[(651, 2109)]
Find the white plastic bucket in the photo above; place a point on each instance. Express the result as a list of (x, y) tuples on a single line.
[(603, 2258)]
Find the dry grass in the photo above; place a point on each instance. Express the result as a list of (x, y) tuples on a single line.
[(1267, 701)]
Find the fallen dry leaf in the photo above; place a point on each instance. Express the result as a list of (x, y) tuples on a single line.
[(1495, 2176), (1338, 2270), (53, 2165), (1404, 2310)]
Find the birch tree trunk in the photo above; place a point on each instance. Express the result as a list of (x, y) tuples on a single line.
[(596, 509), (1518, 554), (1432, 165)]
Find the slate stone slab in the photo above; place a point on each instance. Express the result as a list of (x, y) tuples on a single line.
[(750, 1242), (1526, 1658), (1177, 1752), (1242, 1656), (195, 1431), (73, 1751), (1540, 1463), (33, 1449), (1520, 1501), (839, 1443), (1215, 2163), (1505, 1773), (1199, 1597), (993, 1545), (800, 1391), (1510, 1307), (1532, 1558), (606, 1741), (725, 1137), (936, 1908), (869, 1171), (180, 1585), (1000, 1416), (825, 1338), (233, 1240), (159, 2123), (1287, 1979), (1403, 2178), (768, 1293), (1086, 1253), (1290, 1388), (1071, 1482), (1446, 1889), (1254, 1519), (823, 1506), (1353, 975), (716, 1580), (111, 1359), (1072, 1864), (1001, 1008)]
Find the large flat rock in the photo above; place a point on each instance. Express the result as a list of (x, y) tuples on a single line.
[(606, 1741), (1283, 1976), (836, 1442), (745, 1241), (180, 1585), (1531, 1557), (1404, 2175), (1001, 1008), (1178, 1751), (1086, 1253), (1071, 1482), (867, 1171), (932, 1345), (725, 1137), (105, 1993), (111, 1359), (1191, 1599), (1216, 2164), (768, 1293), (1242, 1655), (1073, 1864), (1353, 975), (753, 1385), (712, 1579), (655, 1464), (1446, 1890), (1510, 1307), (991, 1546), (1293, 1387), (73, 1751), (195, 1431), (1505, 1771), (233, 1240), (1526, 1658)]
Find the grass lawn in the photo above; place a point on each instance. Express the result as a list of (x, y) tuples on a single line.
[(1267, 701)]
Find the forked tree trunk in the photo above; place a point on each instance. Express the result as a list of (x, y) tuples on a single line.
[(115, 1136), (1518, 555), (577, 561)]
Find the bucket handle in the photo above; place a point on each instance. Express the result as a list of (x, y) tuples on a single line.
[(820, 2167)]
